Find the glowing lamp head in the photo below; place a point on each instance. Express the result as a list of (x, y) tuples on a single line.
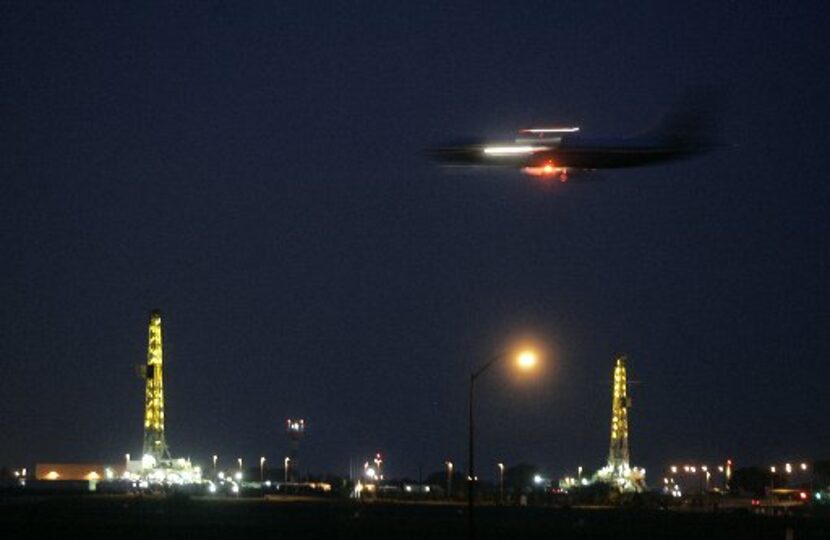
[(526, 360)]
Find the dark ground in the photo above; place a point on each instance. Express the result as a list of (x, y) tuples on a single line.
[(127, 517)]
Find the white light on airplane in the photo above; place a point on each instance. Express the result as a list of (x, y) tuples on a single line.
[(512, 150), (551, 130)]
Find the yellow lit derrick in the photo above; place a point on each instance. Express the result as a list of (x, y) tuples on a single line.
[(154, 442), (618, 452)]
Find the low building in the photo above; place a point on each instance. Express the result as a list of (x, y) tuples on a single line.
[(77, 471)]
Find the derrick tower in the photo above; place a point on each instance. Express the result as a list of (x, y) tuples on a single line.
[(619, 472), (620, 403), (155, 444)]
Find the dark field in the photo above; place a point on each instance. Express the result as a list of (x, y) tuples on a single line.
[(127, 517)]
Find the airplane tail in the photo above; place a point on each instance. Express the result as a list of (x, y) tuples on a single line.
[(694, 121)]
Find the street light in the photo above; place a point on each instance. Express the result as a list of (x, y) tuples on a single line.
[(215, 458), (285, 463), (261, 468), (239, 460), (449, 479), (501, 483), (525, 361)]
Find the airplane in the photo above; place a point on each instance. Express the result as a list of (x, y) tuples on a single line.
[(561, 151)]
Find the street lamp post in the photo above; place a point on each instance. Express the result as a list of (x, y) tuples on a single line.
[(704, 473), (525, 360), (449, 479), (261, 469), (803, 467), (285, 463), (501, 483), (215, 458)]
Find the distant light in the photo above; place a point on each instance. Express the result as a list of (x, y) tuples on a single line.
[(408, 488), (537, 479), (674, 469), (426, 489), (212, 488), (235, 488), (803, 495), (52, 475), (238, 476), (788, 467), (803, 466)]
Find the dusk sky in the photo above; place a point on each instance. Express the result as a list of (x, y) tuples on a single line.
[(256, 171)]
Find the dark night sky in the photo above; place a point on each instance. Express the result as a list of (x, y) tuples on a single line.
[(256, 173)]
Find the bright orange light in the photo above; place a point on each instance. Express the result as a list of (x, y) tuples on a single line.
[(52, 475), (547, 170), (526, 360)]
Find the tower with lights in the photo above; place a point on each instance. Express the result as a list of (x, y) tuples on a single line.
[(295, 429), (618, 472), (620, 403), (155, 444)]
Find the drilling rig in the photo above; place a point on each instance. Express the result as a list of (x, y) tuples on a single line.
[(155, 444), (156, 466), (618, 472)]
